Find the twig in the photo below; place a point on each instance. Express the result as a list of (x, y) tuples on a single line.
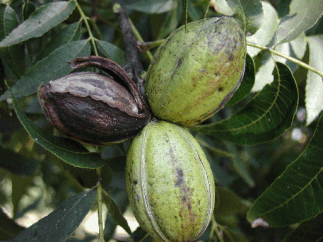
[(86, 22), (287, 57), (144, 46), (99, 201), (133, 65), (140, 39)]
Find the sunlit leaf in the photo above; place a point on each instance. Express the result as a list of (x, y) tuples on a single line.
[(58, 225), (295, 48), (68, 150), (266, 30), (265, 118), (302, 16), (264, 74), (246, 84), (314, 83), (221, 7), (52, 67), (39, 22), (153, 7), (296, 195), (249, 12), (299, 46), (307, 231)]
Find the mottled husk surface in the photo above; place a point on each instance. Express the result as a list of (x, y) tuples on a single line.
[(195, 71), (170, 183)]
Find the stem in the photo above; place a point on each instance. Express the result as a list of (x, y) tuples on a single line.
[(286, 57), (139, 38), (151, 44), (133, 65), (84, 18), (215, 229), (99, 199)]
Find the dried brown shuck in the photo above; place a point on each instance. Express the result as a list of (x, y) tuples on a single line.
[(94, 108)]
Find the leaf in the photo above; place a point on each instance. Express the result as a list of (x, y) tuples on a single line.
[(58, 225), (116, 214), (295, 48), (228, 203), (111, 51), (52, 67), (216, 151), (170, 23), (314, 83), (39, 22), (296, 195), (8, 227), (27, 9), (153, 7), (264, 75), (249, 12), (20, 186), (307, 231), (88, 177), (120, 197), (193, 12), (266, 30), (221, 7), (246, 84), (13, 57), (16, 163), (65, 149), (302, 16), (265, 118), (299, 45), (68, 34), (239, 166)]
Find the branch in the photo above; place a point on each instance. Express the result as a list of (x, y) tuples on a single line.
[(308, 67), (133, 65)]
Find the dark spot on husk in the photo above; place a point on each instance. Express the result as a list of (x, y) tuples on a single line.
[(220, 89), (180, 179), (179, 62), (135, 182)]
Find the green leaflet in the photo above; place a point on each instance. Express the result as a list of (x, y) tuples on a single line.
[(296, 195), (265, 118)]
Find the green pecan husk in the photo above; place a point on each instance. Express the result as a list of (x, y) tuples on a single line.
[(170, 183), (196, 71)]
